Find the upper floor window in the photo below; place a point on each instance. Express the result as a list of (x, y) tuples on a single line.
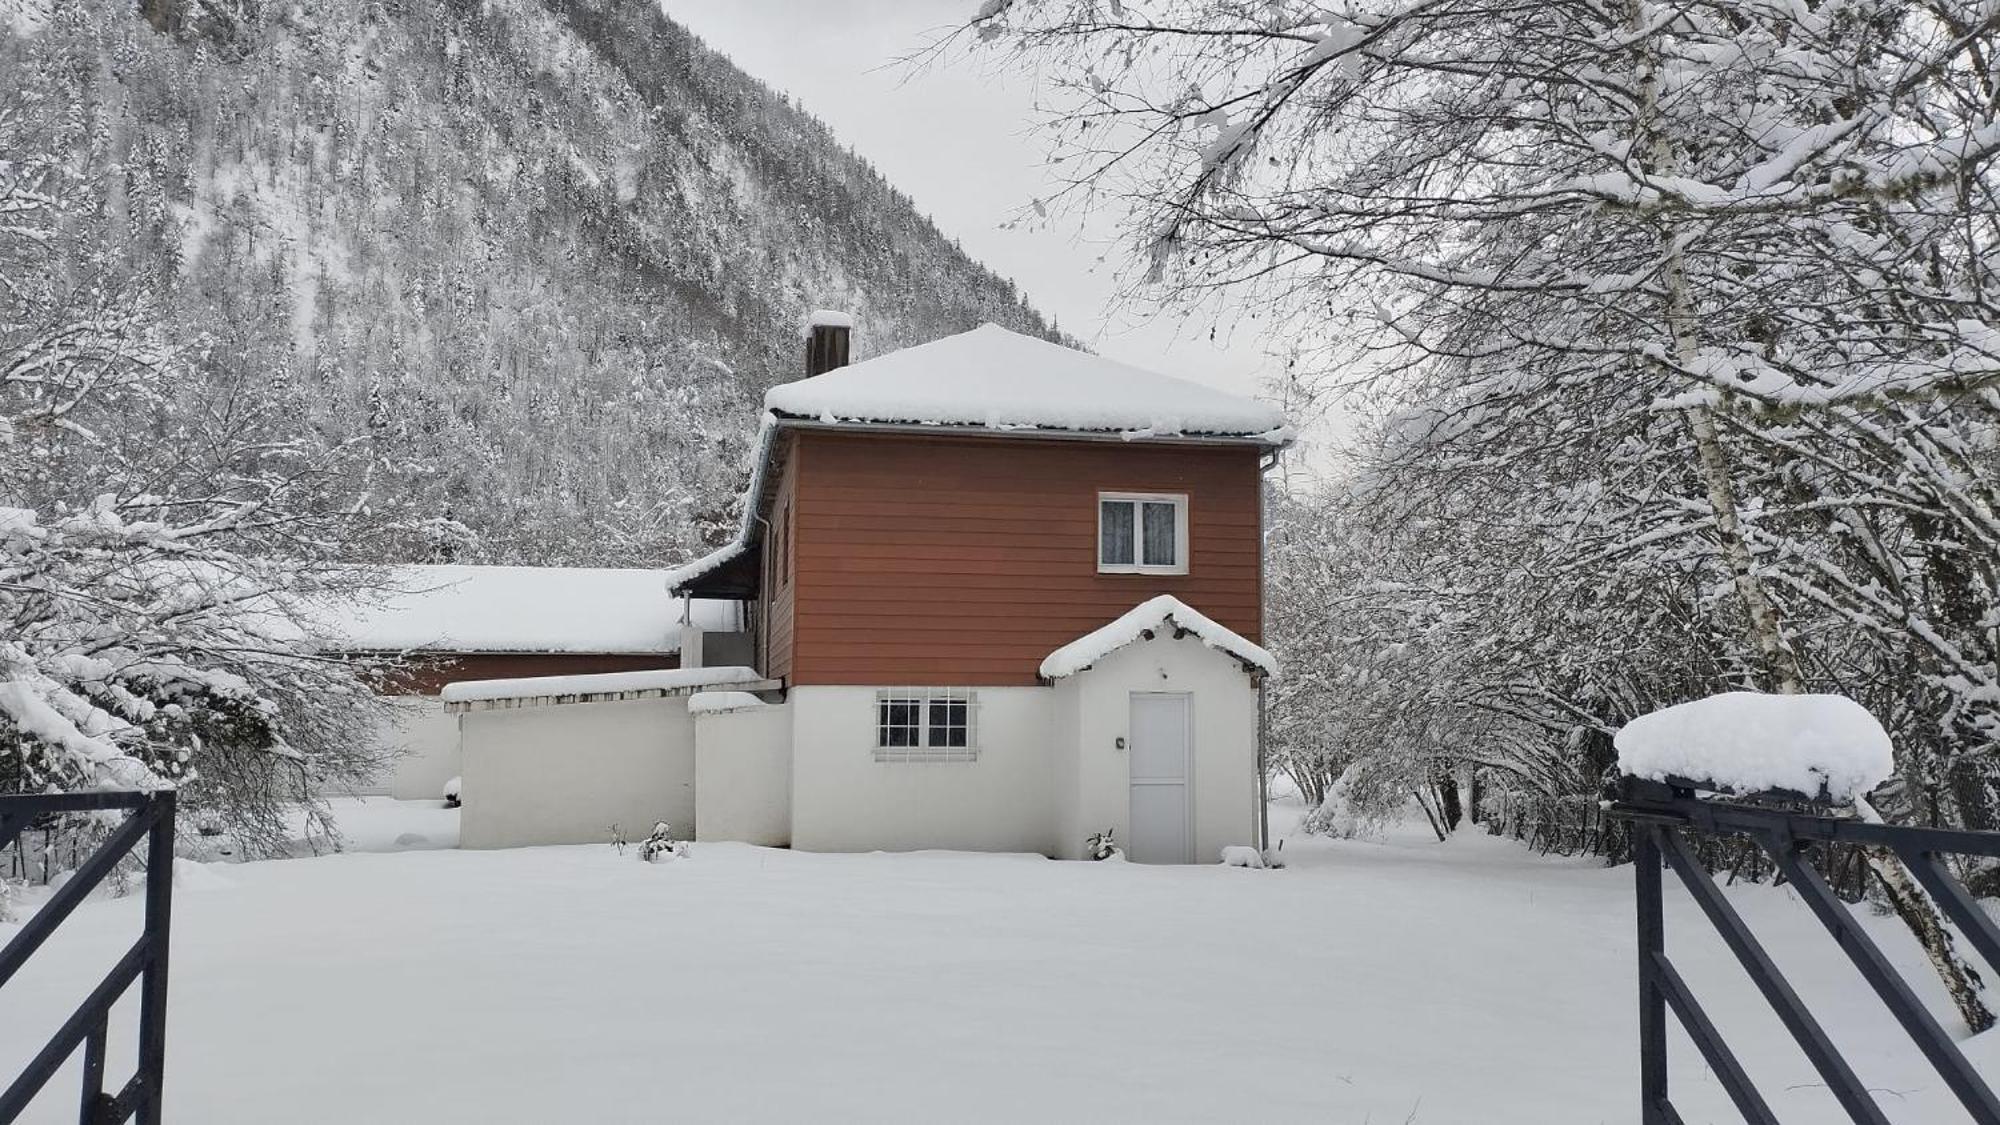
[(1142, 533)]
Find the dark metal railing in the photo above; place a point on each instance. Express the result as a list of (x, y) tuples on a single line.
[(1660, 813), (151, 821)]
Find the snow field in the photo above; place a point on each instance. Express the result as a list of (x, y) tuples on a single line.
[(1388, 982)]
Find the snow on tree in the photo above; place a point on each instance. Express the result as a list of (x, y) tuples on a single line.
[(545, 311), (158, 541), (1671, 330)]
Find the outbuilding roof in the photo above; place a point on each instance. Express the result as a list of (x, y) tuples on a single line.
[(997, 379), (454, 608)]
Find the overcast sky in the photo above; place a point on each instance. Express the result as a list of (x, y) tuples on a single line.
[(958, 141)]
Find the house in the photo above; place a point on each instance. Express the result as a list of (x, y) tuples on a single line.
[(450, 622), (998, 594)]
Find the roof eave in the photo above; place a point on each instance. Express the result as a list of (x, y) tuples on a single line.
[(1263, 440)]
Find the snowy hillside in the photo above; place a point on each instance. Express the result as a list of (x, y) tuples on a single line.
[(543, 257)]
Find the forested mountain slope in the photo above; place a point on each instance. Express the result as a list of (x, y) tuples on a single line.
[(540, 257)]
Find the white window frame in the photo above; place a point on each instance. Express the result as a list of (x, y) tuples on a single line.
[(1181, 542), (925, 751)]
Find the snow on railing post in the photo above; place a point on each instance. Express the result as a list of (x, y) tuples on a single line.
[(1821, 747), (1814, 748)]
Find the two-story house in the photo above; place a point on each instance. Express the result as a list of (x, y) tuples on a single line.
[(1001, 595)]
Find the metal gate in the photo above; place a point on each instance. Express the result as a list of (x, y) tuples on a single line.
[(151, 821), (1660, 813)]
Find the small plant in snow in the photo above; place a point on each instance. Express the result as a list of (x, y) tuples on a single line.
[(451, 787), (662, 845), (618, 838), (1242, 855), (1102, 845)]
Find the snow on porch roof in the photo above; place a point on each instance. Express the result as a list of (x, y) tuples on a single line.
[(450, 608), (1001, 380), (1166, 609)]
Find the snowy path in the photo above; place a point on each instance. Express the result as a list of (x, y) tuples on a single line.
[(1370, 982)]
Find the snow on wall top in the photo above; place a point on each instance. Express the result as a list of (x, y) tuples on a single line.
[(599, 683), (722, 702), (1007, 381), (520, 609), (1748, 742), (1166, 609)]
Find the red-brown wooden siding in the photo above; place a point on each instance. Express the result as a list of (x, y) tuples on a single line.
[(945, 560)]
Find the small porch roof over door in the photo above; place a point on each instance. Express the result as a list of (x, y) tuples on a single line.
[(1141, 622)]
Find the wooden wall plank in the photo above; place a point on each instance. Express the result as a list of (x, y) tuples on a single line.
[(965, 560)]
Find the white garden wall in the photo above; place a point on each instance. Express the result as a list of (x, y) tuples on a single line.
[(564, 773), (1049, 772), (743, 775), (1223, 789), (426, 739), (843, 800)]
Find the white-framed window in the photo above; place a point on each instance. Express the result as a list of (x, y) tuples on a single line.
[(926, 724), (1142, 533)]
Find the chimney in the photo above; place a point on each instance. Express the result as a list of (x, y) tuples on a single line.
[(826, 340)]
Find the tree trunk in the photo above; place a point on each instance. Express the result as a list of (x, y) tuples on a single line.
[(1448, 802), (1782, 668), (1917, 910), (1781, 662)]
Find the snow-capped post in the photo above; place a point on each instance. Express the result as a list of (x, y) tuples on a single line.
[(1825, 749), (827, 333), (1822, 747)]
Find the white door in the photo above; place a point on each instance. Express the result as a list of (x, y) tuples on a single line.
[(1160, 766)]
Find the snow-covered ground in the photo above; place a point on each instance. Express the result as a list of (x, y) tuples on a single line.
[(1386, 982)]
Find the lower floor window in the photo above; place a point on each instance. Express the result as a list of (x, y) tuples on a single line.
[(926, 725)]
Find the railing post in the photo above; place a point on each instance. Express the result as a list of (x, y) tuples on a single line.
[(91, 1112), (153, 985), (1646, 862)]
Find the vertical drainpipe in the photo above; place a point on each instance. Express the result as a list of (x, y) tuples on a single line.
[(1264, 467)]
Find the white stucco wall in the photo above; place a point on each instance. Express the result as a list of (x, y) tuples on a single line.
[(844, 800), (1223, 788), (425, 738), (1065, 734), (743, 775), (564, 773)]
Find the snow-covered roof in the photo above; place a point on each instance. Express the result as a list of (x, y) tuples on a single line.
[(1749, 742), (1001, 380), (598, 685), (1166, 609), (519, 609), (706, 564)]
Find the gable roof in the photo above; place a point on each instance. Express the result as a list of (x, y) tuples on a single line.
[(452, 608), (1135, 623), (994, 379), (990, 381)]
